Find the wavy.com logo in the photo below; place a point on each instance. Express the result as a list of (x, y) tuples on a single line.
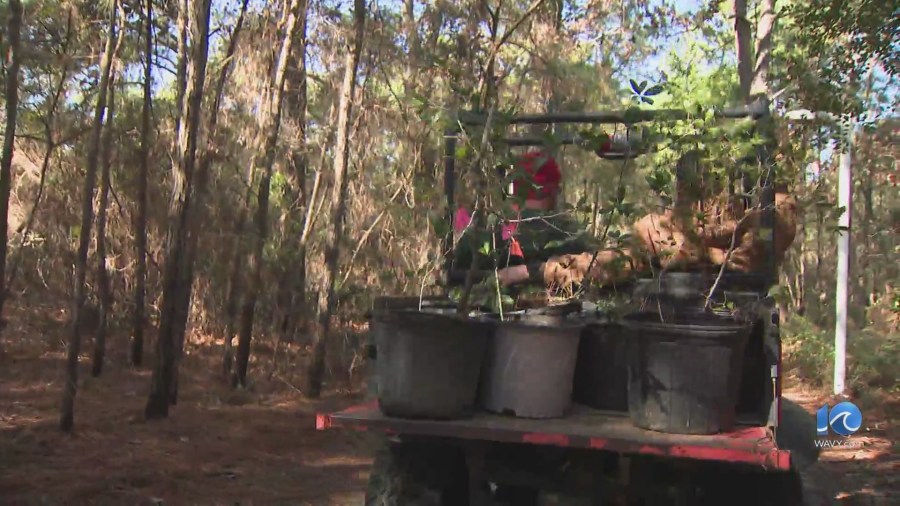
[(844, 419)]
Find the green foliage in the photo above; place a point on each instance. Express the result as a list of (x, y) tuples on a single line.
[(855, 31), (873, 358), (484, 295)]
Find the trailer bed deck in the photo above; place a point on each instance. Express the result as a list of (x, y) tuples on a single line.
[(582, 428)]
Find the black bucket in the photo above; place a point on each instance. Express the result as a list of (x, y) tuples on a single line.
[(429, 363), (530, 365), (689, 285), (386, 305), (684, 370), (601, 372)]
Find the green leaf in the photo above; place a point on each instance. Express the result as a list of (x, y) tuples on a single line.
[(485, 248), (554, 244), (441, 226), (775, 290), (634, 86), (643, 86), (654, 90)]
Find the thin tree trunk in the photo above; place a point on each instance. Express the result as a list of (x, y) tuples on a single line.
[(67, 414), (327, 298), (234, 281), (180, 209), (819, 232), (13, 28), (263, 163), (235, 274), (50, 139), (103, 286), (866, 187), (292, 288), (759, 86), (140, 232), (199, 199), (800, 304), (181, 76), (744, 48)]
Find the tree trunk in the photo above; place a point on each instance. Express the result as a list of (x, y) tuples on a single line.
[(67, 414), (760, 83), (140, 232), (13, 28), (800, 303), (327, 297), (103, 286), (234, 281), (866, 188), (292, 289), (186, 279), (744, 48), (233, 291), (263, 164), (50, 140), (180, 209), (183, 59)]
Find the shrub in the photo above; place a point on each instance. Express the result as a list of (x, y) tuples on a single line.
[(873, 358)]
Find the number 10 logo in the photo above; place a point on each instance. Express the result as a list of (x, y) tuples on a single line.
[(844, 419)]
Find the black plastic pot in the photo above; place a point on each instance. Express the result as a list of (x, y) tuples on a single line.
[(685, 285), (429, 363), (385, 305), (684, 370), (530, 365), (601, 371)]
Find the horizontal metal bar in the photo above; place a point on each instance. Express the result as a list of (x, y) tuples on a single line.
[(568, 141), (756, 110)]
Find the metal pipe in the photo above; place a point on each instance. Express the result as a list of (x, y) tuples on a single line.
[(449, 187), (845, 201), (756, 110), (845, 195)]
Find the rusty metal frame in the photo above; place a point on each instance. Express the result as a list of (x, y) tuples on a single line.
[(608, 431), (758, 111)]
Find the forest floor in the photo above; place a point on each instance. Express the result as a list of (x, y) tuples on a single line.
[(258, 446)]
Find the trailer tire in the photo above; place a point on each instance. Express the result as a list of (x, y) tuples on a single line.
[(753, 487), (420, 474)]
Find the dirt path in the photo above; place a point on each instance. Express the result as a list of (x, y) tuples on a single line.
[(217, 447), (868, 475), (255, 447)]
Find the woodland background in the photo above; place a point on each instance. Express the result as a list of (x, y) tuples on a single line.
[(177, 172)]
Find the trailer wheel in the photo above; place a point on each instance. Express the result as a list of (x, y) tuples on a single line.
[(789, 487), (420, 473), (753, 487)]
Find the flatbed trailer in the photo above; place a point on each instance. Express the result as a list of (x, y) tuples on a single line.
[(589, 456)]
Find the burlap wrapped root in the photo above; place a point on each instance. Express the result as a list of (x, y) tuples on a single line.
[(679, 241)]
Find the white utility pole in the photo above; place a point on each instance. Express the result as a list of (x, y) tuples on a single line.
[(845, 201)]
